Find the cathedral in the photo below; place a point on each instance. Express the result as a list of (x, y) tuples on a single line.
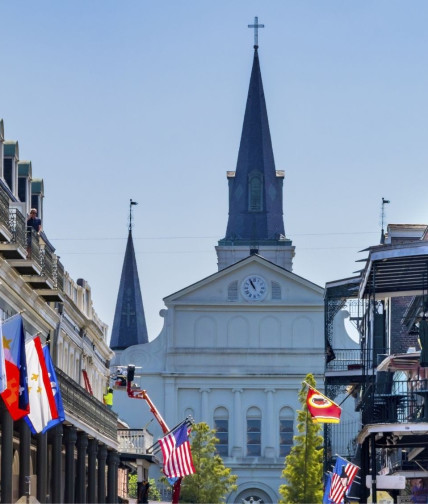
[(236, 345)]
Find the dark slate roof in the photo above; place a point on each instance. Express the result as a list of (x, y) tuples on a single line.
[(129, 325), (255, 158)]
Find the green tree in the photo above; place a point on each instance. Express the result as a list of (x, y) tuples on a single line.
[(303, 470), (154, 494), (212, 481)]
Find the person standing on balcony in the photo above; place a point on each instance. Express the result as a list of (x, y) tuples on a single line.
[(33, 222)]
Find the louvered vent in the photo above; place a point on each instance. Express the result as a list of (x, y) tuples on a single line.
[(276, 290), (232, 291)]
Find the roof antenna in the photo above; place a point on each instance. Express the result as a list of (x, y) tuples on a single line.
[(382, 236), (131, 203)]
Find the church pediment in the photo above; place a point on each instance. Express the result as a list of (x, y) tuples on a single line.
[(252, 281)]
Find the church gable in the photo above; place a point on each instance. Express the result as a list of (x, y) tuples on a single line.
[(253, 281)]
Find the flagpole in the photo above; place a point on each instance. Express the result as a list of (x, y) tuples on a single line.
[(306, 454)]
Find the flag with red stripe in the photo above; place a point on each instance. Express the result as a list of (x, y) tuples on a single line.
[(341, 480), (43, 407), (177, 456)]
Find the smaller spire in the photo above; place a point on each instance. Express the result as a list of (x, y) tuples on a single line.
[(256, 27)]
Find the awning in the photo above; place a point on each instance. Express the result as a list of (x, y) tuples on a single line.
[(400, 362)]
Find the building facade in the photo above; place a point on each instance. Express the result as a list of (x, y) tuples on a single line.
[(76, 461)]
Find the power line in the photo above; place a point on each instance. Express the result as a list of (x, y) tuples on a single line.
[(292, 235)]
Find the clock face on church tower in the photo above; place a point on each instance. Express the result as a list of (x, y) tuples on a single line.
[(254, 288)]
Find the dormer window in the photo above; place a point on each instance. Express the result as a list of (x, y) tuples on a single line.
[(10, 165), (255, 192), (8, 172)]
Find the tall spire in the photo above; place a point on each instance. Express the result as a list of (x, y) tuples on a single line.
[(255, 188), (129, 325)]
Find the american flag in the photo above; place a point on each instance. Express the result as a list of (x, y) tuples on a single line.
[(177, 457), (337, 488)]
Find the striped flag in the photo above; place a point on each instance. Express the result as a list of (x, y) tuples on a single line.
[(341, 480), (42, 401), (177, 457)]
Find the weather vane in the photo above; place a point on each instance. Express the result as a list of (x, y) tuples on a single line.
[(256, 27), (131, 203)]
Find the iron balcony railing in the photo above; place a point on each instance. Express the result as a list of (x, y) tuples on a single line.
[(47, 261), (346, 359), (4, 208), (81, 404), (58, 274), (18, 227), (33, 245), (133, 441), (390, 401)]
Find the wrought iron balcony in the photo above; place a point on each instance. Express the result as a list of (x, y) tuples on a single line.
[(79, 403), (5, 230), (346, 360), (391, 401)]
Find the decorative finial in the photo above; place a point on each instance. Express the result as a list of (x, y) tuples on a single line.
[(382, 236), (130, 213), (256, 27)]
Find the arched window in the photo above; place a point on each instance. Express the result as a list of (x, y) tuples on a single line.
[(221, 425), (254, 432), (255, 192), (286, 417)]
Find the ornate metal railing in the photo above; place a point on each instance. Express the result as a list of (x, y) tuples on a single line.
[(33, 245), (18, 227), (81, 404), (4, 208), (47, 261), (133, 441), (58, 274), (346, 359), (390, 401)]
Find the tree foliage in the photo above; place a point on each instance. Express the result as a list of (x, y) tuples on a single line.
[(154, 494), (212, 481), (303, 470)]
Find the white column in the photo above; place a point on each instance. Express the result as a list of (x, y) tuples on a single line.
[(268, 423), (204, 405), (237, 442)]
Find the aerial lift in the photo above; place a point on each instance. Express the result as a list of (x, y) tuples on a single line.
[(137, 393)]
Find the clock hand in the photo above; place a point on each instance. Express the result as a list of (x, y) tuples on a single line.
[(252, 284)]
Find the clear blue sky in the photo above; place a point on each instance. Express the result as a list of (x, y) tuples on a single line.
[(113, 100)]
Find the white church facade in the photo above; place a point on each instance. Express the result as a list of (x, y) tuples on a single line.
[(235, 346), (236, 364)]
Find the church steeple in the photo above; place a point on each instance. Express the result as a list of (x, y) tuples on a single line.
[(255, 223), (129, 325)]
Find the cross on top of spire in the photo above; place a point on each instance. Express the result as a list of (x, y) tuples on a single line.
[(256, 27)]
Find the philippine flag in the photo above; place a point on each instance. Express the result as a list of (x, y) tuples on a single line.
[(15, 396)]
